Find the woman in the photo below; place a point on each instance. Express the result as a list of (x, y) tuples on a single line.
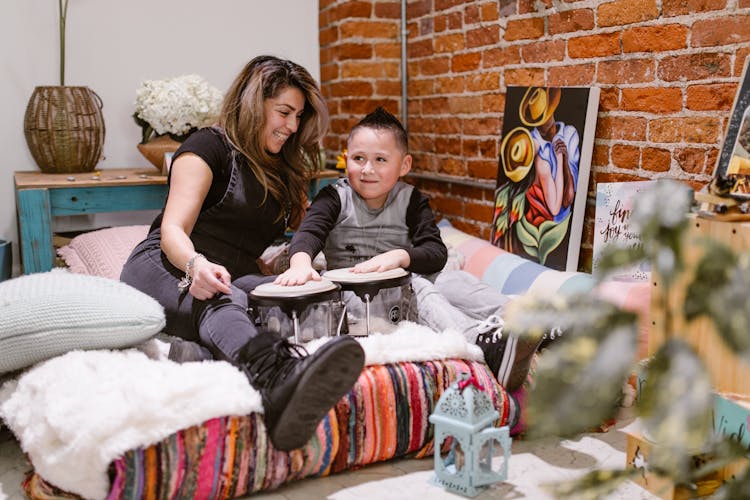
[(232, 191)]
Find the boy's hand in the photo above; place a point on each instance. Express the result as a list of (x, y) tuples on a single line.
[(384, 262), (297, 276), (300, 271)]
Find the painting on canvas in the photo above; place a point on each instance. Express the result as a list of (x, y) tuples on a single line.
[(614, 204), (733, 166), (543, 173)]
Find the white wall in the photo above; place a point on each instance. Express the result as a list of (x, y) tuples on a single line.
[(113, 45)]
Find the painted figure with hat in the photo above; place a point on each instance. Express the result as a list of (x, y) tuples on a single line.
[(540, 161)]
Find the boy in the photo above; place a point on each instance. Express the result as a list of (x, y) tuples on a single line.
[(374, 222)]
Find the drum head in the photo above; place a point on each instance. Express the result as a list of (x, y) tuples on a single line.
[(345, 275), (309, 288)]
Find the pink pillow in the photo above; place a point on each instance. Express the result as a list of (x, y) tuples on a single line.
[(102, 252)]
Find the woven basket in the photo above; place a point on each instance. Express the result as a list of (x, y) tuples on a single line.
[(64, 129)]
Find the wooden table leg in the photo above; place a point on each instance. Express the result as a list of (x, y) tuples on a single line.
[(35, 230)]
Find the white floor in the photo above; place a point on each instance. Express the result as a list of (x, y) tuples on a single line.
[(531, 464)]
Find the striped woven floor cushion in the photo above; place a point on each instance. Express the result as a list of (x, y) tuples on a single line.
[(633, 296), (514, 275), (384, 416), (507, 272)]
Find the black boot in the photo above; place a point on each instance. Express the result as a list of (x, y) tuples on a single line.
[(185, 351), (298, 389)]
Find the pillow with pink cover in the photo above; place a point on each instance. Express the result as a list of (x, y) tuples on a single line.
[(102, 252)]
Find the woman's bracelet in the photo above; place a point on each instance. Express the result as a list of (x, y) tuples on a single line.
[(187, 280)]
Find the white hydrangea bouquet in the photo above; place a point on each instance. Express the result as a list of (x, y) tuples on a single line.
[(175, 106)]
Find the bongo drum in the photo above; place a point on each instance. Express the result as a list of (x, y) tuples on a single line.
[(295, 300), (367, 286)]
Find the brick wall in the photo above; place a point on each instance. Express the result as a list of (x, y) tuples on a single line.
[(668, 72)]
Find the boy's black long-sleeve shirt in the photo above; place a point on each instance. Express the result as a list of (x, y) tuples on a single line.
[(427, 252)]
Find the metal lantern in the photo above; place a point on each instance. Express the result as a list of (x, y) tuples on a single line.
[(464, 415)]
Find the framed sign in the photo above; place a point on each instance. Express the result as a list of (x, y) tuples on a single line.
[(614, 204)]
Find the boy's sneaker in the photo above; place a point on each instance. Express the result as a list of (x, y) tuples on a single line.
[(552, 336), (508, 356)]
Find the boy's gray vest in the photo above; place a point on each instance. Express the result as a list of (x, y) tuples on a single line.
[(361, 233)]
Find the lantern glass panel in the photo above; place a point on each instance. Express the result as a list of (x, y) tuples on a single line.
[(452, 455), (459, 456), (491, 456), (485, 455), (446, 452)]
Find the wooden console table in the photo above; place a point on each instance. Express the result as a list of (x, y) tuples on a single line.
[(40, 197)]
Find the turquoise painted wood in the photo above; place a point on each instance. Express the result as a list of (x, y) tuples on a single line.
[(38, 204), (35, 229), (37, 207), (77, 201)]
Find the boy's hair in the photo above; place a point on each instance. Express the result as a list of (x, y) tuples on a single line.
[(380, 119)]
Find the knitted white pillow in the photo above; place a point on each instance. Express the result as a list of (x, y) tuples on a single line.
[(48, 314)]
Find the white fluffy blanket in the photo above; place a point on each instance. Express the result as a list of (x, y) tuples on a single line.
[(76, 413)]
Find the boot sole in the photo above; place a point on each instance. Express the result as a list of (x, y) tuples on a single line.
[(326, 379)]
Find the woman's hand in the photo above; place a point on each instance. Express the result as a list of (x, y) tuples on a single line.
[(384, 262), (209, 279)]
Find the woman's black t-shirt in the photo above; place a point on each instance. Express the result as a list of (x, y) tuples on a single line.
[(213, 147)]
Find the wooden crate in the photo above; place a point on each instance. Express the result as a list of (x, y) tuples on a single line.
[(728, 373), (637, 454), (731, 416)]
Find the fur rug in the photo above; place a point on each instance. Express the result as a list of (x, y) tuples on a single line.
[(412, 342), (76, 413)]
